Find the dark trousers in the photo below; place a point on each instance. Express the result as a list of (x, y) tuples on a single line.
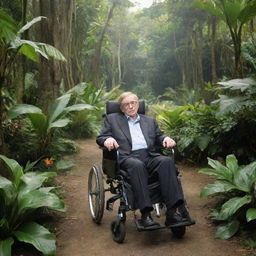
[(143, 168)]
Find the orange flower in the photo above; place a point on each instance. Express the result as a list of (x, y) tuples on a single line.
[(48, 161)]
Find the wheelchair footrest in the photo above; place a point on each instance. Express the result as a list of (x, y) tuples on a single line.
[(140, 227)]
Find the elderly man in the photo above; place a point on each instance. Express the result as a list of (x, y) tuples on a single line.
[(136, 137)]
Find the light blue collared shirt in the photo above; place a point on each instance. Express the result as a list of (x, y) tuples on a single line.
[(138, 139)]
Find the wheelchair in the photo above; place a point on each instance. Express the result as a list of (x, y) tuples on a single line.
[(118, 185)]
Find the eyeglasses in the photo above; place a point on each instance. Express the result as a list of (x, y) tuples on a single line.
[(131, 103)]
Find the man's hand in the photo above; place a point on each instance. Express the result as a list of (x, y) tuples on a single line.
[(168, 142), (110, 143)]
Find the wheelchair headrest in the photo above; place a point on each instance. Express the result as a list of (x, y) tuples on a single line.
[(114, 107)]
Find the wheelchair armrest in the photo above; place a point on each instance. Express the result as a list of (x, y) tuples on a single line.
[(110, 162)]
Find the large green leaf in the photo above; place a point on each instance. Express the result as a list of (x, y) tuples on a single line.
[(78, 107), (246, 177), (232, 205), (218, 187), (22, 109), (58, 107), (251, 214), (39, 122), (248, 12), (6, 247), (38, 236), (29, 52), (231, 12), (232, 164), (209, 7), (30, 23), (226, 231), (238, 84), (231, 104), (34, 180), (15, 168), (51, 51), (36, 199), (6, 187), (202, 141), (218, 170), (8, 28), (58, 123)]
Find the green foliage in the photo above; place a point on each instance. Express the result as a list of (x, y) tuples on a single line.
[(88, 122), (197, 130), (21, 196), (237, 185), (45, 125), (228, 125)]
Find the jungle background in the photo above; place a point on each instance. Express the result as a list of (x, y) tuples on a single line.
[(193, 62)]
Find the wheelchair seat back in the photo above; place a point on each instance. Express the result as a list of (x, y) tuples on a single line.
[(110, 159)]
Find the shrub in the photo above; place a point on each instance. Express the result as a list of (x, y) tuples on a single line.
[(21, 196), (236, 184)]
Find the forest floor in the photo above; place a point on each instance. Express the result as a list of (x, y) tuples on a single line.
[(78, 235)]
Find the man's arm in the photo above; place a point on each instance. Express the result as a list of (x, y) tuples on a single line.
[(105, 139)]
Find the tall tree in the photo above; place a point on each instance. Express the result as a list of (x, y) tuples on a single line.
[(56, 30), (96, 72), (235, 14)]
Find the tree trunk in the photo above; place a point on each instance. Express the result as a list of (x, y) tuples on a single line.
[(96, 60), (213, 56), (198, 55), (56, 30), (119, 61)]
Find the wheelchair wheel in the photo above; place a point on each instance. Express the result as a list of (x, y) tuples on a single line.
[(179, 232), (96, 193), (118, 230)]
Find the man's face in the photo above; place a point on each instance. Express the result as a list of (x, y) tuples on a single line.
[(130, 106)]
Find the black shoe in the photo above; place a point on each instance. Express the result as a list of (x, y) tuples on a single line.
[(147, 221), (174, 220)]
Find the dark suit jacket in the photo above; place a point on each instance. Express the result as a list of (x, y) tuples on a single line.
[(116, 126)]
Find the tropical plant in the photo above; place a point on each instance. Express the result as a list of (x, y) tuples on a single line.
[(239, 97), (237, 100), (87, 122), (21, 196), (196, 129), (235, 14), (12, 44), (236, 184), (45, 125)]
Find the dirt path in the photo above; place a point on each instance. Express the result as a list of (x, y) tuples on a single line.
[(78, 236)]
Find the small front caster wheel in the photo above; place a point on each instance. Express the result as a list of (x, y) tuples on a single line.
[(118, 231)]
